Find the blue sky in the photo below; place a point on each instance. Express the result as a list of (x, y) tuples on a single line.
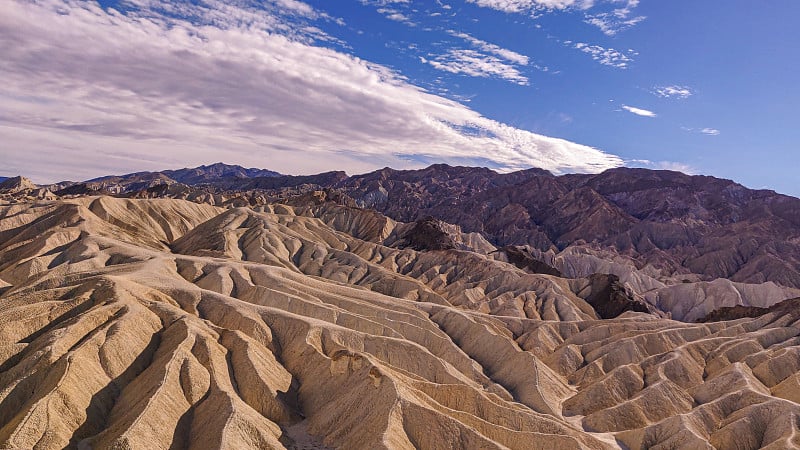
[(300, 87)]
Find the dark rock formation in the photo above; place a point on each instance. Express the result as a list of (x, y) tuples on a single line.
[(522, 258), (429, 234), (741, 312), (82, 189), (609, 298)]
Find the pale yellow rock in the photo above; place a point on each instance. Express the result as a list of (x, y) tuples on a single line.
[(151, 324)]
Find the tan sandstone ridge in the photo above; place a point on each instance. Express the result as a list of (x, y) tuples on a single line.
[(161, 323)]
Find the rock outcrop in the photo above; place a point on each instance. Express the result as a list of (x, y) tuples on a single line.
[(523, 258), (17, 184), (742, 312), (20, 190), (430, 234), (609, 297)]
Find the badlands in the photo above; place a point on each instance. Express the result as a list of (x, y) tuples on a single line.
[(149, 323)]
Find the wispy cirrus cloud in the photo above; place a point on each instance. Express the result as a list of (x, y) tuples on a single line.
[(606, 56), (508, 55), (474, 63), (395, 10), (485, 60), (639, 111), (707, 131), (519, 6), (673, 91), (606, 15), (90, 91), (616, 20)]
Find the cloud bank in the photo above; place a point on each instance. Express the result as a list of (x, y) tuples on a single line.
[(89, 91)]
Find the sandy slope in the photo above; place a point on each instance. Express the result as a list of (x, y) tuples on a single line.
[(167, 324)]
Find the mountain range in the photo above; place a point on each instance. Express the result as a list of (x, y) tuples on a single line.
[(653, 229), (447, 307)]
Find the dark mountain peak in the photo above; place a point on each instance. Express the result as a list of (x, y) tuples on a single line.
[(217, 174), (217, 165), (531, 172), (458, 171), (434, 171), (631, 179), (210, 172), (326, 179)]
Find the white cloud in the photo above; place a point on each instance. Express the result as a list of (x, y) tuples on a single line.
[(517, 6), (673, 91), (606, 56), (610, 24), (706, 131), (617, 20), (609, 20), (534, 6), (639, 111), (509, 55), (476, 64), (397, 16), (87, 91), (384, 2), (389, 9)]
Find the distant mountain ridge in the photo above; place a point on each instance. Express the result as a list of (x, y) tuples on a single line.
[(207, 174)]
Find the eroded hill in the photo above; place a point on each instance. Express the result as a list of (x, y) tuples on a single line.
[(162, 323)]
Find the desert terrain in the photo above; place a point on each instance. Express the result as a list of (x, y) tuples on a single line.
[(313, 321)]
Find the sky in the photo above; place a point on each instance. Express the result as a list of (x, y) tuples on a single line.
[(704, 87)]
